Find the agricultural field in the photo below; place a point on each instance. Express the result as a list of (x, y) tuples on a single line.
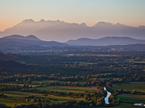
[(60, 95), (136, 86)]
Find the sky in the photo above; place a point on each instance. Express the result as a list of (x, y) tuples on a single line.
[(129, 12)]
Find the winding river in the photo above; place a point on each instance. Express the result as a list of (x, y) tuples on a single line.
[(107, 96)]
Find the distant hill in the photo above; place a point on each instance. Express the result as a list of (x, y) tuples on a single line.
[(106, 41), (18, 42), (63, 31), (10, 63)]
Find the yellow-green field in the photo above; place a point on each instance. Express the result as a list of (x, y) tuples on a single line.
[(131, 86), (14, 98)]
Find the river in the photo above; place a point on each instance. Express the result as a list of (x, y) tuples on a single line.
[(106, 99)]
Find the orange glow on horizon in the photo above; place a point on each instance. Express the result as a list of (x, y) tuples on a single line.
[(6, 24)]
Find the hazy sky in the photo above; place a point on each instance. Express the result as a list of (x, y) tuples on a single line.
[(130, 12)]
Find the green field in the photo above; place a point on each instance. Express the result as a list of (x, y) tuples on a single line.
[(61, 94), (131, 86)]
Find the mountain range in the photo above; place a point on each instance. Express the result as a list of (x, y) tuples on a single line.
[(63, 31), (105, 41), (19, 43)]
